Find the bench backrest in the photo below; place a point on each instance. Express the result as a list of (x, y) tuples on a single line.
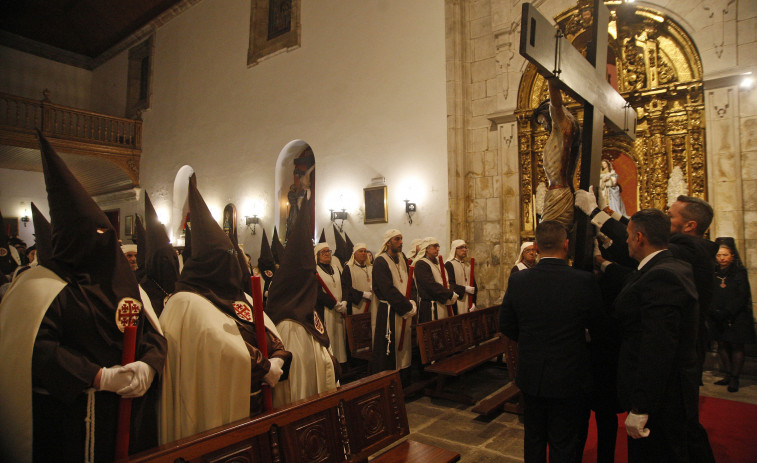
[(438, 339), (358, 332), (349, 424)]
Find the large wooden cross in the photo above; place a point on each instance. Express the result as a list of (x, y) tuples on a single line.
[(584, 79)]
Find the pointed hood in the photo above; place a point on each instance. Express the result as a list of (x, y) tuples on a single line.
[(7, 263), (139, 238), (243, 265), (161, 264), (266, 264), (322, 239), (186, 253), (294, 290), (276, 247), (213, 272), (42, 237), (341, 251), (85, 248), (350, 246)]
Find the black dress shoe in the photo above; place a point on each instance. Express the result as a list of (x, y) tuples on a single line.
[(723, 382), (733, 386)]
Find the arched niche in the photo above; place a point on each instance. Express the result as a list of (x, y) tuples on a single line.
[(654, 64), (294, 161), (180, 206)]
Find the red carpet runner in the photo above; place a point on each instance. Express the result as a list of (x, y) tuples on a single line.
[(731, 427)]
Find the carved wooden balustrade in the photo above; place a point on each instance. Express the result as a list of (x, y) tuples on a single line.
[(71, 130)]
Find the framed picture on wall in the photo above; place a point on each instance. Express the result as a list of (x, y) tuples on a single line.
[(129, 225), (375, 204)]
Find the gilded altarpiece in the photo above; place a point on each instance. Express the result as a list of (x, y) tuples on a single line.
[(653, 63)]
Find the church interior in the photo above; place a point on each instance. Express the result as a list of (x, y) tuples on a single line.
[(416, 115)]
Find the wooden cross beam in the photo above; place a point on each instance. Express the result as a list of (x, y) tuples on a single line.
[(584, 79)]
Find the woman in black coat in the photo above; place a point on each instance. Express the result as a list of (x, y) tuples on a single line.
[(731, 321)]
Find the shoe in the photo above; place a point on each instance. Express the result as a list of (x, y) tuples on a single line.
[(733, 386), (723, 382)]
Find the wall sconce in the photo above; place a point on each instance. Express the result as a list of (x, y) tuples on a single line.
[(254, 220), (409, 210), (335, 215), (25, 220)]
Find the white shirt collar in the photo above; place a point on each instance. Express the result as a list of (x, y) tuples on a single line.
[(647, 259)]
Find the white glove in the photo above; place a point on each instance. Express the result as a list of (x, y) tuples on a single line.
[(266, 294), (472, 308), (140, 382), (341, 307), (115, 378), (274, 373), (367, 294), (586, 201), (412, 312), (453, 299), (635, 425), (470, 290)]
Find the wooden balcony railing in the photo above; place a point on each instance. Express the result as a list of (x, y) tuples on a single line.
[(66, 123)]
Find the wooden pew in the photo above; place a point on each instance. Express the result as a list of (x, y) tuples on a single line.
[(359, 335), (458, 344), (508, 398), (345, 425)]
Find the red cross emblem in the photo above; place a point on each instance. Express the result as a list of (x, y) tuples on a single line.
[(317, 322), (3, 252), (243, 311), (268, 273), (127, 313)]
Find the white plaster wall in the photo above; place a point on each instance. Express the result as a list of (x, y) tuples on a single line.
[(366, 91), (26, 75), (17, 187), (109, 82)]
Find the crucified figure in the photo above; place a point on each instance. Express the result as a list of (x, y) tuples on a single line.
[(560, 156)]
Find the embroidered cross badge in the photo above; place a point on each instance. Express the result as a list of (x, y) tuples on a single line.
[(127, 313)]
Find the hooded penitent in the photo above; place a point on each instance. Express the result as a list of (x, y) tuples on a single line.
[(322, 239), (294, 289), (7, 263), (277, 249), (42, 236), (243, 266), (341, 252), (161, 264), (213, 272), (186, 253), (266, 264), (139, 238), (350, 246)]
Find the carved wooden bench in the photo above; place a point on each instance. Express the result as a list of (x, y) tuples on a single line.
[(346, 425), (452, 346), (509, 397), (359, 335)]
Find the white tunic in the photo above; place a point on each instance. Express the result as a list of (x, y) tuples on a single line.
[(441, 310), (361, 280), (333, 320), (462, 278)]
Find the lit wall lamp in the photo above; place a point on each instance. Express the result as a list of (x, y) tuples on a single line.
[(409, 210), (336, 215), (254, 220), (25, 217)]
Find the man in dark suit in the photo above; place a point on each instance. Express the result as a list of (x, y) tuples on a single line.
[(658, 313), (689, 220), (547, 310)]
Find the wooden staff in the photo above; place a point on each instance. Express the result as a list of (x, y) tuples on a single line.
[(470, 296), (407, 296), (124, 405), (367, 305), (443, 271), (259, 320)]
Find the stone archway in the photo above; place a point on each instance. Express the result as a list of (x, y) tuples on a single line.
[(655, 66)]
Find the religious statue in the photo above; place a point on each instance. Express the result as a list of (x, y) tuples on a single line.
[(561, 153), (609, 189)]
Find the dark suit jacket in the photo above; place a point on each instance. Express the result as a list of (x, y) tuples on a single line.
[(658, 315), (547, 309)]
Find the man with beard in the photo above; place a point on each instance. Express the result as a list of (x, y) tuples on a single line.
[(390, 274), (61, 335), (458, 275)]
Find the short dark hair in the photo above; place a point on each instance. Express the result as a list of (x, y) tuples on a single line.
[(654, 224), (550, 235), (698, 210)]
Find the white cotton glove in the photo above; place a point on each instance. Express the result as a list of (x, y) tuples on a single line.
[(115, 378), (635, 425), (341, 307), (586, 201), (367, 294), (472, 308), (470, 290), (412, 312), (140, 382), (274, 373)]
